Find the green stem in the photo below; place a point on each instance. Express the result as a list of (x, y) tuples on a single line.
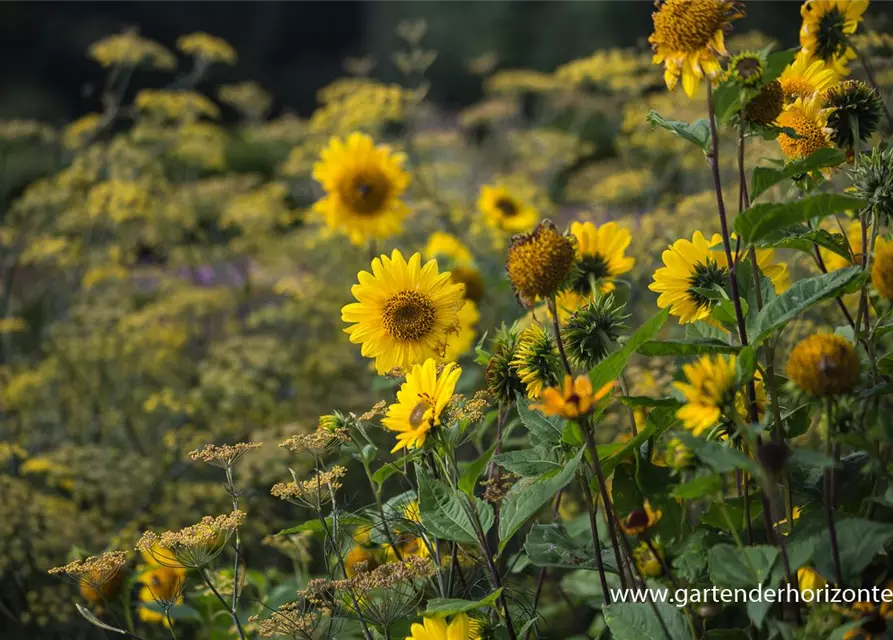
[(232, 613), (830, 491)]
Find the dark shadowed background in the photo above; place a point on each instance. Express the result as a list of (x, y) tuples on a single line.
[(294, 48)]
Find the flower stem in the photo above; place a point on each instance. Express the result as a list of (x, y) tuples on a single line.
[(553, 308), (232, 612), (591, 507), (830, 491)]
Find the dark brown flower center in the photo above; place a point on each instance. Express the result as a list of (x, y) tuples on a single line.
[(366, 193), (408, 316), (831, 40), (508, 207), (637, 519)]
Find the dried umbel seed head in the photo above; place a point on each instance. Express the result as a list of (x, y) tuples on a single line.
[(224, 456), (193, 546), (824, 364), (539, 262)]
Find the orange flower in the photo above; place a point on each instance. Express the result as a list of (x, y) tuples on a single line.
[(640, 520), (573, 399)]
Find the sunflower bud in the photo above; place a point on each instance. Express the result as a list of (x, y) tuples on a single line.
[(678, 455), (746, 69), (502, 379), (536, 360), (857, 108), (592, 331), (539, 262), (873, 181)]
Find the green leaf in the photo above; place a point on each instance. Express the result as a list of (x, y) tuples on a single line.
[(473, 471), (529, 463), (180, 612), (316, 526), (686, 347), (725, 313), (384, 472), (451, 606), (763, 219), (766, 177), (608, 369), (731, 566), (544, 429), (444, 514), (719, 456), (697, 132), (698, 488), (728, 98), (550, 545), (638, 621), (659, 420), (745, 365), (528, 496), (858, 541), (801, 296), (802, 238), (775, 65)]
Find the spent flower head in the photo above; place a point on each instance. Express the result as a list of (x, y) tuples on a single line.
[(96, 572), (313, 493), (193, 546), (224, 456)]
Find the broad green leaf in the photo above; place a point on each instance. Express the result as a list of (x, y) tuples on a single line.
[(744, 567), (715, 517), (473, 471), (763, 219), (802, 238), (698, 488), (441, 607), (659, 420), (384, 472), (638, 621), (608, 369), (776, 63), (686, 347), (858, 541), (316, 526), (544, 429), (766, 177), (801, 296), (690, 562), (584, 584), (529, 463), (444, 514), (729, 98), (745, 365), (697, 132), (719, 456), (550, 545), (725, 312), (529, 495), (179, 612)]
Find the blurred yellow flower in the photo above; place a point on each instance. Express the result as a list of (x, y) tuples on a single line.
[(573, 399), (600, 256), (130, 49), (827, 25), (207, 47), (506, 210), (708, 390), (824, 364), (460, 343)]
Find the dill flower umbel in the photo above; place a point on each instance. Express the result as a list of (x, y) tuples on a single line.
[(709, 389), (313, 493), (324, 439), (805, 77), (132, 50), (536, 360), (808, 117), (573, 399), (193, 546), (827, 25), (420, 403), (163, 586), (506, 210), (98, 577), (405, 311), (600, 256), (592, 331), (882, 268), (207, 47), (224, 456), (692, 266), (461, 627), (689, 38), (641, 520), (824, 364), (299, 619), (539, 262), (363, 184), (853, 104)]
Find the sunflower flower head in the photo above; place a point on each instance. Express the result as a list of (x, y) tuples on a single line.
[(539, 262), (592, 331), (502, 378), (420, 403), (709, 390), (827, 25), (507, 210), (405, 311), (809, 119), (536, 360), (824, 364), (461, 627), (600, 256), (363, 184), (746, 69), (857, 107), (647, 562), (882, 268), (805, 77), (765, 107), (873, 181), (678, 455), (641, 520), (689, 38), (163, 586), (573, 399)]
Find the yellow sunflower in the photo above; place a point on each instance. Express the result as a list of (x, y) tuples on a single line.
[(445, 245), (363, 185), (826, 27), (824, 364), (853, 231), (574, 398), (461, 627), (882, 268), (404, 312), (459, 344), (809, 120), (697, 264), (805, 77), (600, 256), (506, 209), (420, 402), (689, 39), (640, 520), (709, 388)]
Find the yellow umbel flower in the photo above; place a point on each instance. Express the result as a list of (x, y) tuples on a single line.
[(809, 120), (806, 76), (694, 264), (824, 364), (826, 27), (207, 47), (882, 268), (459, 343), (404, 311), (420, 403), (539, 262), (640, 520), (536, 360), (506, 210), (689, 38), (461, 627), (573, 399), (363, 185), (129, 49), (708, 389), (600, 256)]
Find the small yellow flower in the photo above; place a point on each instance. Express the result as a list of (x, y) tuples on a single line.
[(420, 402), (209, 48), (882, 268), (640, 520), (506, 210), (708, 390), (461, 627), (810, 580), (826, 27), (573, 399), (824, 364)]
